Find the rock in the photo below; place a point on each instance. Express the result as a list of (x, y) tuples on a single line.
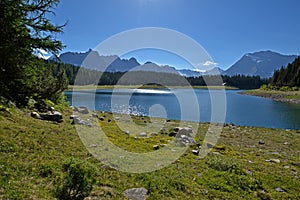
[(172, 134), (143, 134), (78, 121), (183, 131), (136, 193), (52, 116), (210, 146), (156, 147), (275, 160), (261, 142), (35, 115), (127, 132), (286, 143), (195, 151), (279, 189), (73, 116), (82, 110), (94, 115), (286, 167)]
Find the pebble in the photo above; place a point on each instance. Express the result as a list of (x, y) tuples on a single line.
[(279, 189)]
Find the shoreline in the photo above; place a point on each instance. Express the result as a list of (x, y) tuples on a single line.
[(281, 96), (107, 87)]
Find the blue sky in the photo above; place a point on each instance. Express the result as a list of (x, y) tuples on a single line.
[(227, 29)]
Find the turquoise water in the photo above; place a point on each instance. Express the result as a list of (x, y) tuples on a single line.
[(193, 105)]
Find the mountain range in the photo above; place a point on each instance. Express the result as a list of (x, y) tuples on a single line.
[(262, 63)]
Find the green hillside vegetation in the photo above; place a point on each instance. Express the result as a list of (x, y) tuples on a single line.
[(284, 85), (288, 76), (246, 163)]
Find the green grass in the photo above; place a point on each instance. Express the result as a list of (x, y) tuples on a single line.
[(285, 96), (32, 153)]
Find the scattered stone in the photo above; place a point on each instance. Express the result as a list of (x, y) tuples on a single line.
[(52, 116), (94, 115), (261, 142), (250, 161), (249, 172), (286, 143), (156, 147), (286, 167), (183, 131), (35, 115), (195, 152), (210, 146), (172, 134), (199, 174), (279, 189), (143, 134), (73, 116), (82, 110), (275, 160), (78, 121), (136, 193), (127, 132), (117, 118), (93, 145)]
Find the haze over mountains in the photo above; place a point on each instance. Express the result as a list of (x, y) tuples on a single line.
[(262, 63)]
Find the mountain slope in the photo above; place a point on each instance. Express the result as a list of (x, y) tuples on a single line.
[(262, 63), (92, 60)]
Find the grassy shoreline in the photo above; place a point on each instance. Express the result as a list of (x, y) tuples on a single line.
[(282, 96), (255, 161)]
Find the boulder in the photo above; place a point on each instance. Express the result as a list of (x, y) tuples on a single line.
[(136, 193), (156, 147), (52, 116), (35, 115), (81, 109), (78, 121), (143, 134), (261, 142)]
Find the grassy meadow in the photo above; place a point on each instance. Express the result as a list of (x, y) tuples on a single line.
[(246, 163)]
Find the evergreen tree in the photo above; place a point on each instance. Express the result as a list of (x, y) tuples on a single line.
[(24, 30)]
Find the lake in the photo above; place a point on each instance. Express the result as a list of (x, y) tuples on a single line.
[(192, 105)]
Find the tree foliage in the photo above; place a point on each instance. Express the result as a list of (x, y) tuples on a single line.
[(24, 31), (287, 76)]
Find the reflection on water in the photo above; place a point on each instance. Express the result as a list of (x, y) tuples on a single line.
[(241, 109)]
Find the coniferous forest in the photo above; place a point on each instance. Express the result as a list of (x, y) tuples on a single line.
[(287, 76)]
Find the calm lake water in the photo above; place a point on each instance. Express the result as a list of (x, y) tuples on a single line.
[(193, 105)]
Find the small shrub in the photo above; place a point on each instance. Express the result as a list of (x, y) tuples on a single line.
[(78, 181), (223, 163)]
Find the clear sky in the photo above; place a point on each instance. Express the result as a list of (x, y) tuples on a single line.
[(227, 29)]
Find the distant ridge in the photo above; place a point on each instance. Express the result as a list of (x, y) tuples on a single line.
[(262, 63)]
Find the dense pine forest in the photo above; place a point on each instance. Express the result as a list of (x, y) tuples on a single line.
[(287, 76)]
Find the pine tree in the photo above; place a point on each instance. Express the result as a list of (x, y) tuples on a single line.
[(24, 29)]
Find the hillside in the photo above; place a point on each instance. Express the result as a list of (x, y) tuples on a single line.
[(260, 163), (262, 63)]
